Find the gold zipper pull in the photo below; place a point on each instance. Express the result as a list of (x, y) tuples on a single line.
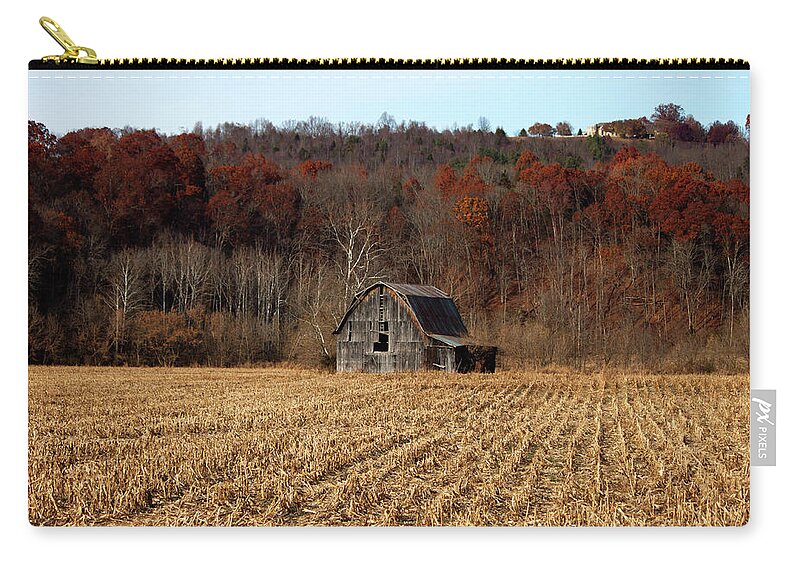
[(72, 52)]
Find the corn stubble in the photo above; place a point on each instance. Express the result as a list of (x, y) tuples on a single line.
[(119, 446)]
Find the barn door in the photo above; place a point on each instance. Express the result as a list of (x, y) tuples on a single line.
[(436, 358)]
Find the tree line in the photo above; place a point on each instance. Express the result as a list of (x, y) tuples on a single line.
[(669, 123), (245, 244)]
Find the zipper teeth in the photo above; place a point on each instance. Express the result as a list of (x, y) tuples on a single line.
[(443, 63)]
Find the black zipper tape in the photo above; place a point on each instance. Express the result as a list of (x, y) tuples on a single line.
[(420, 64)]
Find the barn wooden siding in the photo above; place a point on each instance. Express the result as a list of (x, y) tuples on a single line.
[(355, 345), (421, 328)]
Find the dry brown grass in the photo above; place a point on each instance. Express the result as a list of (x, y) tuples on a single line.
[(115, 446)]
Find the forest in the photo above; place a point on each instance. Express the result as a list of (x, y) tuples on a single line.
[(244, 244)]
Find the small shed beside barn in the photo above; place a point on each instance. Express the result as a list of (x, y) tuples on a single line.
[(393, 327)]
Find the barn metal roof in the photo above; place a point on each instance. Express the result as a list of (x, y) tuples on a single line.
[(437, 315), (453, 341), (433, 308), (416, 290)]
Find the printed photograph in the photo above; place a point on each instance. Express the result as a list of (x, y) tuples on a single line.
[(388, 297)]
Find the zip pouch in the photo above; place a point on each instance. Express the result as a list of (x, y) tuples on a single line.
[(387, 292)]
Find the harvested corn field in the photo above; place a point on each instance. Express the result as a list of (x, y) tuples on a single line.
[(122, 446)]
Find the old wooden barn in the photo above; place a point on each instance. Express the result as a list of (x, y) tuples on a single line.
[(392, 327)]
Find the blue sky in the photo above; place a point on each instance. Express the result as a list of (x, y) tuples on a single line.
[(172, 101)]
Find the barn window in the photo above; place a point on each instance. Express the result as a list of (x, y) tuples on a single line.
[(383, 343), (349, 330)]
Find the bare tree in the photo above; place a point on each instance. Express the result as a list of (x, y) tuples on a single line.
[(161, 267), (124, 292), (191, 262), (689, 265), (351, 209), (428, 251), (316, 305), (736, 278)]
